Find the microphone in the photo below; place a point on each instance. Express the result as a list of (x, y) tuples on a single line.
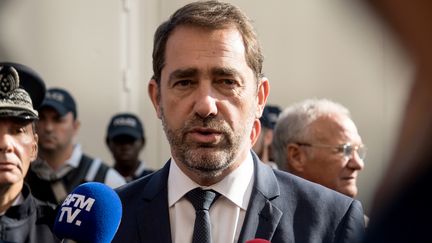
[(90, 213), (257, 240)]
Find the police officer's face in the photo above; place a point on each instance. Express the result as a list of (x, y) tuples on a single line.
[(208, 100), (18, 147), (56, 132), (125, 149)]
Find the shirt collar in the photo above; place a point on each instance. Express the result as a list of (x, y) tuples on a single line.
[(75, 158), (234, 186), (18, 201)]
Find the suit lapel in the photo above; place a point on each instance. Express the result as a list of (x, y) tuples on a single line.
[(262, 216), (153, 213), (261, 219)]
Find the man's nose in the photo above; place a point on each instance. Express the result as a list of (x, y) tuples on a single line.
[(205, 102), (45, 125), (6, 143), (355, 161)]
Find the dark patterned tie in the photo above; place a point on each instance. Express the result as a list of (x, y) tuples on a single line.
[(202, 200)]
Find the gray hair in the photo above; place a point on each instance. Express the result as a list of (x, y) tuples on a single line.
[(292, 125)]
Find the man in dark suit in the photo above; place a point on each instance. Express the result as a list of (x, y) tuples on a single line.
[(209, 91)]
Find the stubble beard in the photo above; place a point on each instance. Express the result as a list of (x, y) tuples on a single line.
[(54, 148), (205, 160)]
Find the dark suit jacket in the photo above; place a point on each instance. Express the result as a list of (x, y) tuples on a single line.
[(282, 208)]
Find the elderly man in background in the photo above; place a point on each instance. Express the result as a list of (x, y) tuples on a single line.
[(316, 139)]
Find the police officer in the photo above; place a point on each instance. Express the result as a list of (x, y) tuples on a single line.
[(63, 165), (125, 139), (23, 218)]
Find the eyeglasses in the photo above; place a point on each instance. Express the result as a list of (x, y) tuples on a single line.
[(346, 149)]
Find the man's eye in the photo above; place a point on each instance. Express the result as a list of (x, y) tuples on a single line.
[(341, 149), (346, 150), (349, 150), (228, 82), (183, 83), (20, 130)]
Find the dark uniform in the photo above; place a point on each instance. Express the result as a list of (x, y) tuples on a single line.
[(45, 189), (30, 221)]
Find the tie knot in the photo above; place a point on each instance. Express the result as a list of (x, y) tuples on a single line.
[(202, 199)]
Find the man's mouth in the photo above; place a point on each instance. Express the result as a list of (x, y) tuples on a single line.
[(204, 135), (349, 178), (7, 166)]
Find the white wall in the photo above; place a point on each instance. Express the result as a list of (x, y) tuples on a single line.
[(333, 49)]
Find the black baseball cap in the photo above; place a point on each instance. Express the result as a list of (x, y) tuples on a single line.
[(21, 91), (60, 100), (270, 116), (125, 124)]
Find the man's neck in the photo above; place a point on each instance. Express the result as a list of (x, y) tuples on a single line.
[(126, 171), (8, 194), (56, 158)]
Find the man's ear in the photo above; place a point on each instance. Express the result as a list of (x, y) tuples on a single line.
[(153, 90), (262, 95), (76, 126), (35, 148), (296, 157), (256, 130)]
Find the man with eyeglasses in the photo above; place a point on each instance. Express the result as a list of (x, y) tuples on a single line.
[(316, 139)]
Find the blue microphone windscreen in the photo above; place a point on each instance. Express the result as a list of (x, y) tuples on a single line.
[(90, 213)]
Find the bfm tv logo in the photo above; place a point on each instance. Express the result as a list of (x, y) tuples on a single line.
[(71, 212)]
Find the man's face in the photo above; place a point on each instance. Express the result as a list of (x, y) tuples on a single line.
[(18, 147), (125, 149), (208, 99), (328, 167), (55, 132)]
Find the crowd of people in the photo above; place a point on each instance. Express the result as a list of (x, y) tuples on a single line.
[(239, 169)]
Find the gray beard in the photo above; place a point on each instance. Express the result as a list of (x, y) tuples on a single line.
[(205, 160)]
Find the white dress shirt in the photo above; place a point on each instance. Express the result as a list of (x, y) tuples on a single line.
[(227, 213)]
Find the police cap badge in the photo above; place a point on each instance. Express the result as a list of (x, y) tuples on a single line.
[(21, 91)]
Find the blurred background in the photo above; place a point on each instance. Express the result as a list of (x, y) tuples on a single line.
[(100, 50)]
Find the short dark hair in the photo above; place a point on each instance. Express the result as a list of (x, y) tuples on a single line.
[(212, 15)]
